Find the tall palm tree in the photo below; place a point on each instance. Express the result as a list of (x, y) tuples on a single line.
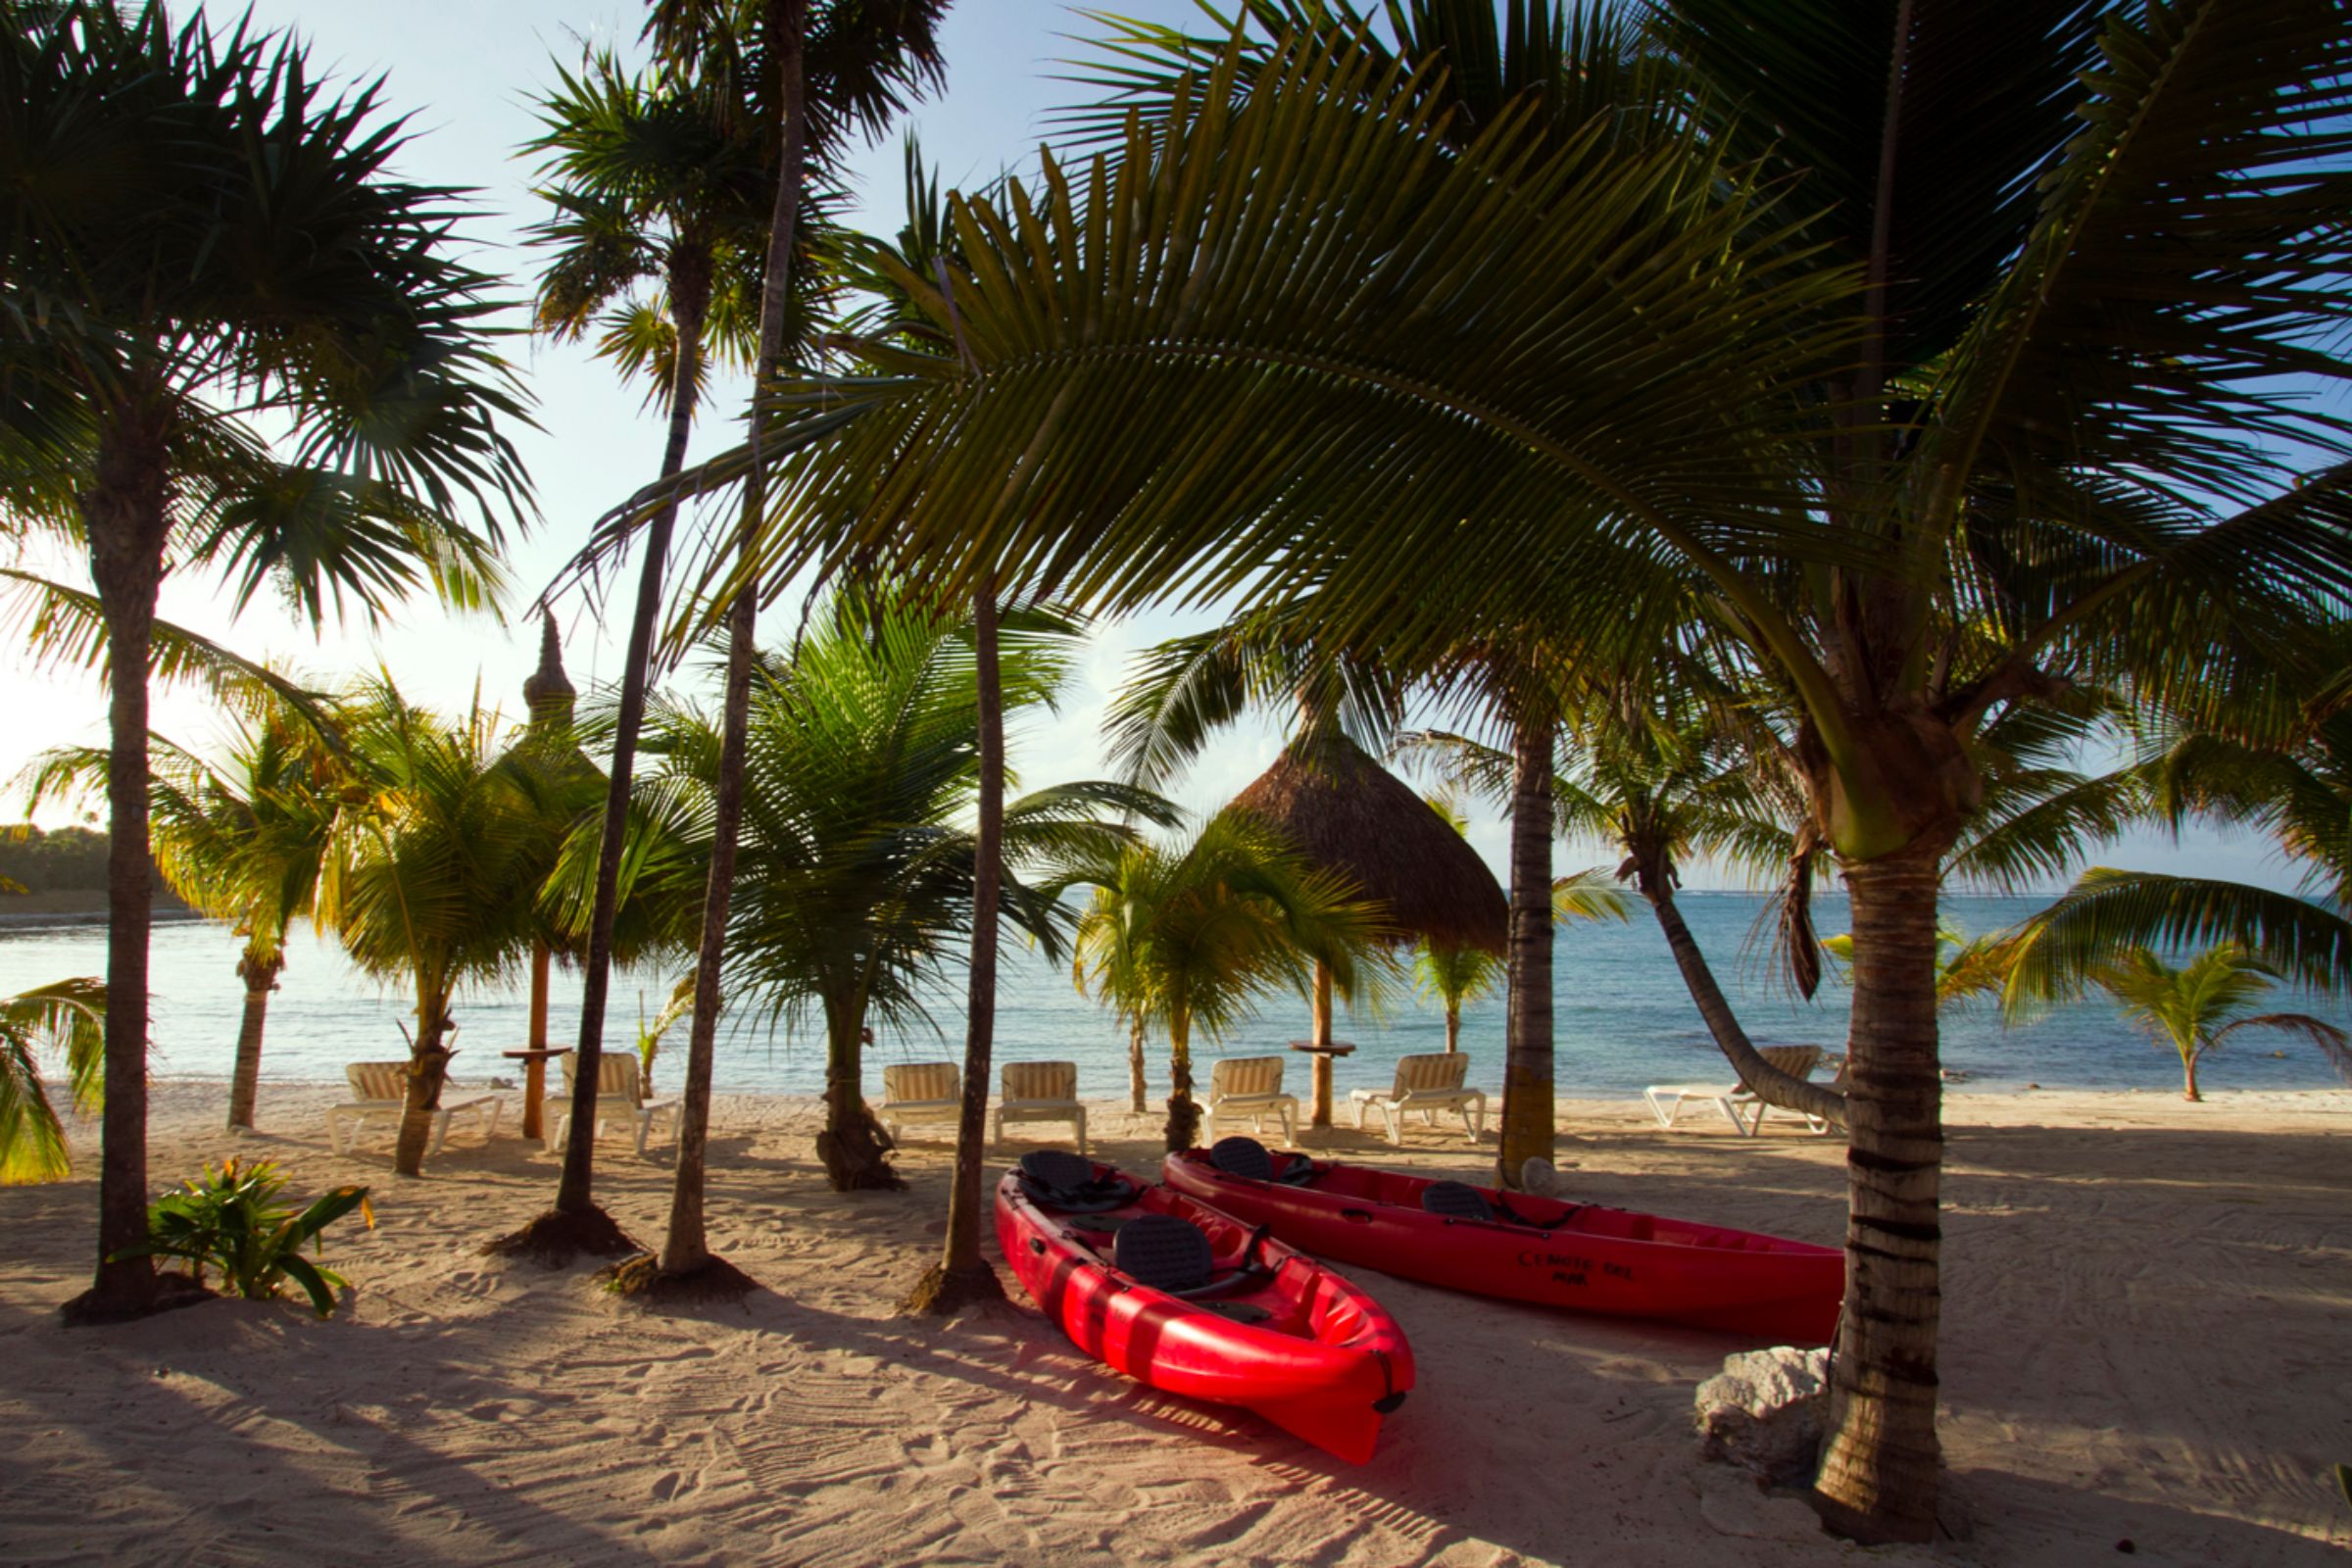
[(1212, 926), (198, 241), (1839, 348), (810, 76), (656, 185), (434, 876), (69, 1018), (857, 866), (243, 840)]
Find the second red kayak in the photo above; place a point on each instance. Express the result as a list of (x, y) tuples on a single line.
[(1171, 1292), (1526, 1248)]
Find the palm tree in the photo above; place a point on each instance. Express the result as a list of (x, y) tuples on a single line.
[(1454, 974), (653, 183), (435, 876), (1210, 927), (2299, 793), (1842, 353), (812, 75), (857, 865), (2195, 1006), (68, 1018), (210, 245), (243, 840)]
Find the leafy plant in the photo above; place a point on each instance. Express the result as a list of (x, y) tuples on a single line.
[(231, 1220), (68, 1018)]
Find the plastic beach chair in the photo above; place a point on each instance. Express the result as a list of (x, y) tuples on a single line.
[(1737, 1101), (921, 1093), (619, 1097), (1251, 1087), (1426, 1084), (1041, 1090), (379, 1093)]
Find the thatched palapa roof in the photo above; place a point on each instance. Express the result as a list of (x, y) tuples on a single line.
[(1346, 812)]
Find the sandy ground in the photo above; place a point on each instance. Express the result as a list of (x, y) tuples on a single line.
[(2145, 1336)]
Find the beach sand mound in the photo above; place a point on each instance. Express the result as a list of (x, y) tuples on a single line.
[(2143, 1339)]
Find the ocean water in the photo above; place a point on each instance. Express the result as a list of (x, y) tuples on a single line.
[(1624, 1019)]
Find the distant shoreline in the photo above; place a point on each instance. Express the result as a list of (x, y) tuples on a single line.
[(79, 906)]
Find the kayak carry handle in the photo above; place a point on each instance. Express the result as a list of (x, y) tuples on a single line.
[(1363, 1216)]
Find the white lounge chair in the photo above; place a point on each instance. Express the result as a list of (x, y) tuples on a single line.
[(1740, 1108), (379, 1093), (1426, 1084), (619, 1097), (1041, 1090), (1251, 1087), (921, 1093)]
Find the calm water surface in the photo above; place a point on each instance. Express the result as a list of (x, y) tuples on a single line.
[(1624, 1018)]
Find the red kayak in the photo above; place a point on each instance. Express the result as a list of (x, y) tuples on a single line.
[(1525, 1248), (1171, 1292)]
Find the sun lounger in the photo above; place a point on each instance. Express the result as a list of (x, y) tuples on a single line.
[(1251, 1087), (1735, 1101), (1426, 1084), (921, 1093), (379, 1093), (619, 1097), (1041, 1090)]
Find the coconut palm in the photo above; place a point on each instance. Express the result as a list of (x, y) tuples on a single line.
[(1212, 927), (434, 878), (660, 199), (857, 860), (199, 244), (810, 76), (1846, 353), (2195, 1006), (2299, 793), (242, 840), (66, 1019)]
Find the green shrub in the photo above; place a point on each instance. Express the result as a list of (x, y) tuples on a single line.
[(231, 1221)]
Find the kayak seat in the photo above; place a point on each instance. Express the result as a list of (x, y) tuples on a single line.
[(1061, 1180), (1246, 1158), (1455, 1200), (1165, 1252)]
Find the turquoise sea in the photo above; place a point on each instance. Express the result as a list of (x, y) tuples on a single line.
[(1624, 1018)]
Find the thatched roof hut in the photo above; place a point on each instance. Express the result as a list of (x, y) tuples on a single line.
[(1345, 812)]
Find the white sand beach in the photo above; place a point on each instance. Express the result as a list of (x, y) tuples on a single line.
[(2144, 1343)]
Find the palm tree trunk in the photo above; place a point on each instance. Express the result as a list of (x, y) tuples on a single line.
[(961, 1275), (687, 1247), (126, 516), (1878, 1476), (1528, 1115), (1184, 1116), (1768, 1082), (1454, 1028), (1138, 1090), (853, 1145), (574, 1193), (429, 1070), (260, 975), (2188, 1065), (1318, 1029)]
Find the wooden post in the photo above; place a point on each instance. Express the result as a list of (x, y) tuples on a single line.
[(1321, 1031), (534, 1069)]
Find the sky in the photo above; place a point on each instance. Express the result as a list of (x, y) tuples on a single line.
[(465, 73)]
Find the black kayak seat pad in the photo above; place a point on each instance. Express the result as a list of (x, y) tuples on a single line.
[(1455, 1200), (1066, 1181), (1246, 1158), (1163, 1251)]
